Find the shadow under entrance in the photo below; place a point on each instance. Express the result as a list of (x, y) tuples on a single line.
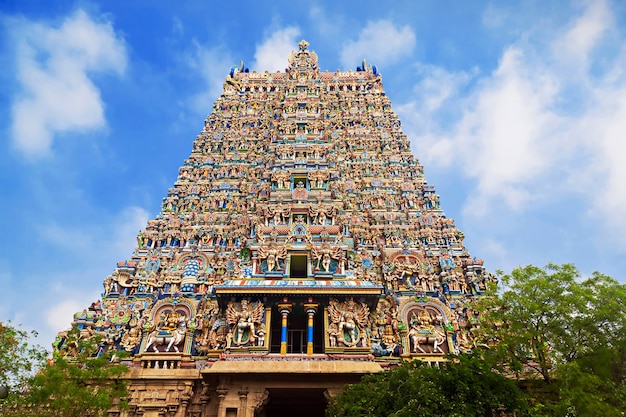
[(289, 402)]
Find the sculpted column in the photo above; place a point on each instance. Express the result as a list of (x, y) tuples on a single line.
[(243, 402), (310, 308), (284, 308), (221, 394)]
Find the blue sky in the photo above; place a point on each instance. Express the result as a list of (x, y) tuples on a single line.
[(517, 111)]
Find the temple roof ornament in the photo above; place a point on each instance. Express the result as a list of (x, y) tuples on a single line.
[(303, 61), (303, 45)]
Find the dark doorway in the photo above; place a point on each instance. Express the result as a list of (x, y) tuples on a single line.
[(298, 266), (289, 402), (296, 341)]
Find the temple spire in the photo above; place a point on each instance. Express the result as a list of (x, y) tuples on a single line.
[(300, 224)]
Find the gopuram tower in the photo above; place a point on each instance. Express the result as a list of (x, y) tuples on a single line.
[(299, 249)]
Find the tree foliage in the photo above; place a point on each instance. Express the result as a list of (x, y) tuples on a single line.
[(466, 386), (18, 359), (84, 383), (560, 336), (569, 332)]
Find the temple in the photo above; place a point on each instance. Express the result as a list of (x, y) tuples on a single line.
[(299, 249)]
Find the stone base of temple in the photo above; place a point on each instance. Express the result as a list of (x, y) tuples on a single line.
[(240, 386)]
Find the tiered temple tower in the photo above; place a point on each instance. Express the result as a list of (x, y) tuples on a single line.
[(300, 248)]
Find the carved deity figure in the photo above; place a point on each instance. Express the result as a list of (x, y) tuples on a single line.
[(131, 339), (244, 318), (318, 178), (282, 179), (351, 318), (272, 254), (322, 213), (333, 334), (170, 330), (300, 193), (280, 213), (260, 335), (406, 268), (426, 330), (284, 152), (385, 321), (323, 256)]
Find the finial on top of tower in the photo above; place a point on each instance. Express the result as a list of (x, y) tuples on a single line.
[(363, 66), (303, 45), (302, 61)]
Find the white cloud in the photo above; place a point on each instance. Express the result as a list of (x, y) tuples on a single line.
[(326, 25), (532, 129), (495, 252), (212, 64), (605, 128), (50, 309), (436, 89), (131, 221), (114, 238), (424, 119), (59, 316), (583, 34), (511, 130), (379, 41), (271, 55), (69, 238), (56, 94), (72, 287), (494, 17)]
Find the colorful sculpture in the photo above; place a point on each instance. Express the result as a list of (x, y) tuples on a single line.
[(301, 184)]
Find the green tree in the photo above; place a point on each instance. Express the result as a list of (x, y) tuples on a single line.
[(77, 383), (551, 324), (18, 359), (465, 386)]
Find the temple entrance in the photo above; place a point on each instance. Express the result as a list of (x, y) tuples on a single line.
[(297, 332), (289, 402), (296, 341)]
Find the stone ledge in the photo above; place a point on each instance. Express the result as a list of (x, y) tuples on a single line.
[(293, 367), (140, 373)]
